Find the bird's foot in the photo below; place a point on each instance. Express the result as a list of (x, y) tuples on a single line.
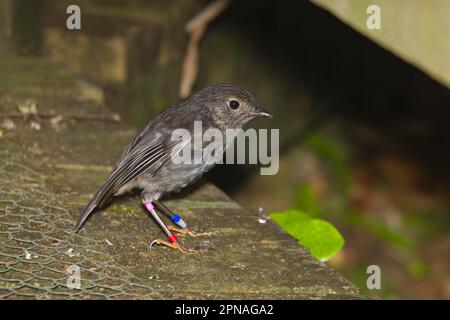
[(176, 246), (187, 232)]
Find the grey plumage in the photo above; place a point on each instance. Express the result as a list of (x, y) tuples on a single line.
[(146, 162)]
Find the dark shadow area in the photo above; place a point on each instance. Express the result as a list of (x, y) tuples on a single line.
[(347, 76)]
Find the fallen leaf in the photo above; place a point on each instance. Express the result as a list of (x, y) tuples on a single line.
[(8, 124)]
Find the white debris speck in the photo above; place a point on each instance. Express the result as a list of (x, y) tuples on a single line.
[(262, 220), (109, 243), (70, 252), (27, 255), (35, 125)]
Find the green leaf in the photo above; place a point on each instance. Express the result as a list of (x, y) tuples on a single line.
[(320, 237)]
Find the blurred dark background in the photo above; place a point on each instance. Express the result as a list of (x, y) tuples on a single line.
[(364, 135)]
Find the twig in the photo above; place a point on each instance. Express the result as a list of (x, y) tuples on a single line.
[(196, 29)]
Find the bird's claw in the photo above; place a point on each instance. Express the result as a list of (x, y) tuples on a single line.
[(184, 232), (176, 246)]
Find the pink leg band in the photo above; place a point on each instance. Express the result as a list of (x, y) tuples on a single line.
[(149, 206)]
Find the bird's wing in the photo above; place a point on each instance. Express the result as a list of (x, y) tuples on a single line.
[(138, 138), (147, 152)]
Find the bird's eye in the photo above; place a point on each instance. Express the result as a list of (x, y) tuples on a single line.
[(234, 104)]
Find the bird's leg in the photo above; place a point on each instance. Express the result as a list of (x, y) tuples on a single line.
[(180, 222), (173, 216), (173, 242), (150, 208)]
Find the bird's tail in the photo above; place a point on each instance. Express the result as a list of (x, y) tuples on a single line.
[(92, 205), (97, 202)]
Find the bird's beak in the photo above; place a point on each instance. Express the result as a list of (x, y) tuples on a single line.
[(260, 113)]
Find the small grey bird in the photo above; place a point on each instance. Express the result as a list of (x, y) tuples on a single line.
[(147, 162)]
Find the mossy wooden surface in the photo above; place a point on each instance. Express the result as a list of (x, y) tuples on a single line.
[(48, 175)]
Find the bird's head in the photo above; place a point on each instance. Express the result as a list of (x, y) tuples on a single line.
[(228, 105)]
